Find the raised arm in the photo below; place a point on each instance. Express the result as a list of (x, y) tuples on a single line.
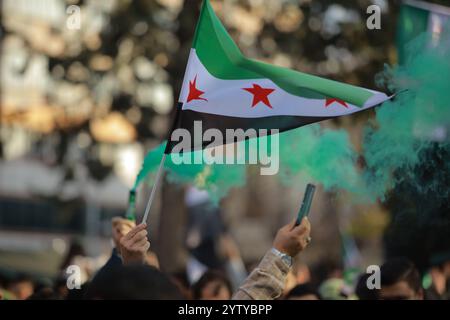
[(267, 281)]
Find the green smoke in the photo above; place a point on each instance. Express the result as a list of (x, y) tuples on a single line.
[(406, 127), (216, 179), (326, 156)]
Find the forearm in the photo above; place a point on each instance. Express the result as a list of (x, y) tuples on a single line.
[(266, 282)]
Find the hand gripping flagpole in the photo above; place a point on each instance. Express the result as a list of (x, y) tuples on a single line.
[(161, 164)]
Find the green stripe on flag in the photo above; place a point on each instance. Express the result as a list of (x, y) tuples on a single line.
[(223, 59)]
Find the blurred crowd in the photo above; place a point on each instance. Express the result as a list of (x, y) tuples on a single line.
[(215, 270)]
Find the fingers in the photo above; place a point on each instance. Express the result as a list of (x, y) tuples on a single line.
[(116, 219), (139, 245), (138, 238), (303, 228), (146, 247), (120, 227), (122, 231), (302, 232), (292, 239), (135, 231), (135, 244), (121, 222), (135, 238), (291, 225)]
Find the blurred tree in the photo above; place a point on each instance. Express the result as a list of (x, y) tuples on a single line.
[(134, 62)]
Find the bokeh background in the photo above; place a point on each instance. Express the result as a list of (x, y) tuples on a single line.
[(81, 107)]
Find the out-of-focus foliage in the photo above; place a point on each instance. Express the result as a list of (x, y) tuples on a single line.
[(115, 80)]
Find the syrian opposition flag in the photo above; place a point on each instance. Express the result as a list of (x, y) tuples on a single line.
[(225, 90)]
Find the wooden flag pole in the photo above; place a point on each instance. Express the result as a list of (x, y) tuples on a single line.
[(155, 185)]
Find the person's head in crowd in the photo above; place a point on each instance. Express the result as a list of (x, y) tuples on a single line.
[(4, 283), (400, 280), (289, 283), (299, 274), (180, 279), (6, 295), (212, 285), (78, 293), (362, 290), (22, 286), (3, 280), (336, 289), (439, 274), (303, 292), (333, 269), (60, 286), (445, 266), (207, 254), (135, 282), (76, 249), (327, 268), (45, 293)]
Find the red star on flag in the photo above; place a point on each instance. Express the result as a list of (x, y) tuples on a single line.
[(260, 94), (194, 93), (332, 100)]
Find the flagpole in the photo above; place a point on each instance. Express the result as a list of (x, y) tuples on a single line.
[(155, 185), (168, 145), (163, 160)]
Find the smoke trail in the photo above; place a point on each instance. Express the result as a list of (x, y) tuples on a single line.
[(216, 179), (407, 127), (326, 156)]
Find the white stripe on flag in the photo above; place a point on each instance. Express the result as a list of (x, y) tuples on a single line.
[(228, 97)]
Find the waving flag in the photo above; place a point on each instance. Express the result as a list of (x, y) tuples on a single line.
[(225, 90)]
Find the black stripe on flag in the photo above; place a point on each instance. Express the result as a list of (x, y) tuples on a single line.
[(185, 119)]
